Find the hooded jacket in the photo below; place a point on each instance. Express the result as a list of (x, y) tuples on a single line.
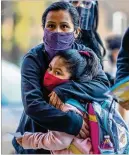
[(38, 115)]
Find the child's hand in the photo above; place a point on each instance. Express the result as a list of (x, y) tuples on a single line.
[(125, 105), (55, 100), (19, 141)]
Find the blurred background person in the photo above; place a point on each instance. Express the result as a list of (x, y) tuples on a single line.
[(113, 44), (89, 20)]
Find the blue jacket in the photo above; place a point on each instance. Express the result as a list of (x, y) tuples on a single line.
[(123, 58), (38, 115)]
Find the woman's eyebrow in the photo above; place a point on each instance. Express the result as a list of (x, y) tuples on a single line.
[(65, 23), (51, 22)]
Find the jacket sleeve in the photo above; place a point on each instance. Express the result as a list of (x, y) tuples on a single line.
[(37, 108), (123, 58), (92, 91), (51, 140)]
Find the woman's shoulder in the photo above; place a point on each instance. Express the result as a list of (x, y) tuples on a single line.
[(36, 54), (37, 50)]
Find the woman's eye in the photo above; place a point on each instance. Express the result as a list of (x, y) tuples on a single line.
[(65, 26), (50, 26)]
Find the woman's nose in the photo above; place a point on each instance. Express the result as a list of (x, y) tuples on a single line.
[(58, 29)]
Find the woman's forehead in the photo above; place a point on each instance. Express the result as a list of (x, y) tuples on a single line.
[(59, 16)]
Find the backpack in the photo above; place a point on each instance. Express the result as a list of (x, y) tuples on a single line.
[(105, 120), (111, 123)]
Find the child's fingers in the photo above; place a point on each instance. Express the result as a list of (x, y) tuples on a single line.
[(51, 94), (58, 103), (52, 99)]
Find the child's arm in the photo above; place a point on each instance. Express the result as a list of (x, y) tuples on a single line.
[(52, 140)]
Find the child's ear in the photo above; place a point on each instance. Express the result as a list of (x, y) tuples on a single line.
[(76, 32)]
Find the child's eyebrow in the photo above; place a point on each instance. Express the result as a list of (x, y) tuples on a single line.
[(59, 69)]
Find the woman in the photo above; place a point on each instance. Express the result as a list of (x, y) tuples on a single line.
[(60, 22)]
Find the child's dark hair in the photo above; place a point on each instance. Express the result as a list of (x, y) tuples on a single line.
[(83, 65), (62, 6)]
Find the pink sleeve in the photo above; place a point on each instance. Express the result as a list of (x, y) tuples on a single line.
[(53, 140)]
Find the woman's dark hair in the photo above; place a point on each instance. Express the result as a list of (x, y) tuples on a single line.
[(62, 6), (83, 65)]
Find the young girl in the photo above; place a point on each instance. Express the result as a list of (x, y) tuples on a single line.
[(66, 65)]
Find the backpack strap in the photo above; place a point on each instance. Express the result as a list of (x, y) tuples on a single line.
[(94, 129), (76, 104)]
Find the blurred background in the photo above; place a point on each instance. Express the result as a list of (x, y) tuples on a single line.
[(22, 30)]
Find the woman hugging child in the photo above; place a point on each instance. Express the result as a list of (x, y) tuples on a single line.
[(66, 65)]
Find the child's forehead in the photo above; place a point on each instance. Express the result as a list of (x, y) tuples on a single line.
[(58, 61)]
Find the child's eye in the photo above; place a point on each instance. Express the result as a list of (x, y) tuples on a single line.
[(57, 73), (49, 69)]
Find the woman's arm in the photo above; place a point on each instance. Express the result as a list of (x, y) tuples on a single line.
[(92, 91), (37, 108)]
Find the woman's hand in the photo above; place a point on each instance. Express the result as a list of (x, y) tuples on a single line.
[(125, 105), (19, 141), (84, 132), (55, 100)]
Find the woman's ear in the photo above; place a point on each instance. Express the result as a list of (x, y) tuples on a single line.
[(76, 32)]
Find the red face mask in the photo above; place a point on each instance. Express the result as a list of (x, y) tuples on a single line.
[(50, 81)]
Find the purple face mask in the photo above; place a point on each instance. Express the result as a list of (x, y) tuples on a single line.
[(57, 41)]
